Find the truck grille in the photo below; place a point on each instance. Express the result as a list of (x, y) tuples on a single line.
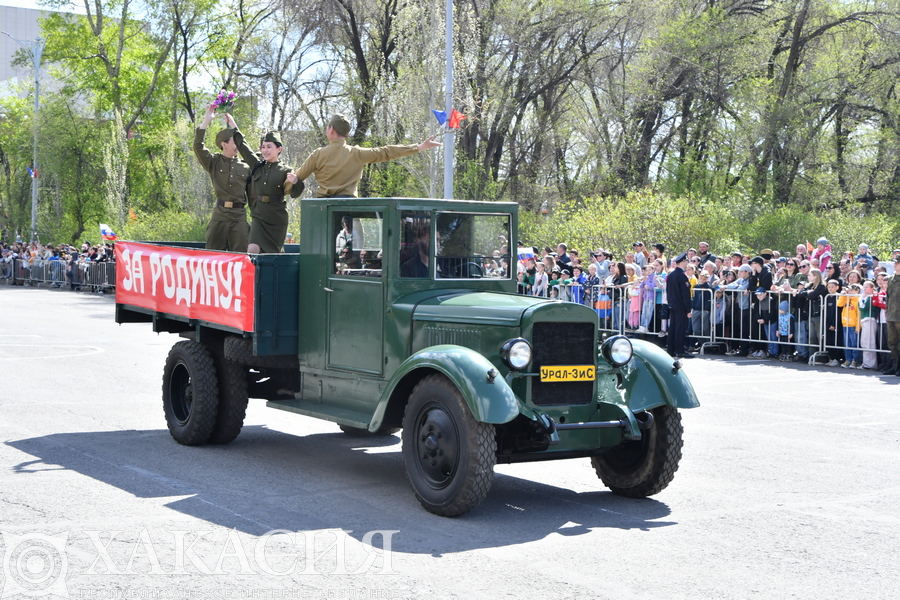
[(563, 344)]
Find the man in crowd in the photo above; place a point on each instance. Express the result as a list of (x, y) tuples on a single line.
[(227, 228), (704, 254), (640, 255), (562, 256), (338, 166), (740, 314), (678, 292)]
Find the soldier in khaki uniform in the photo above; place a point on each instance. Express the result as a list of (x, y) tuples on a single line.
[(227, 228), (338, 167), (892, 316), (268, 205)]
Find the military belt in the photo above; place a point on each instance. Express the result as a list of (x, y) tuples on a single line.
[(271, 198), (230, 204)]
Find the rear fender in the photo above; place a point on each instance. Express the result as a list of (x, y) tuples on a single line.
[(490, 399)]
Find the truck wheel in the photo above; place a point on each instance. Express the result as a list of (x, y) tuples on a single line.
[(190, 393), (360, 432), (449, 455), (644, 467), (232, 402)]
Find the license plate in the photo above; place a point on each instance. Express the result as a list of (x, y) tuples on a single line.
[(568, 373)]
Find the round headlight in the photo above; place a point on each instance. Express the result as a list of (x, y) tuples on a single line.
[(617, 350), (516, 353)]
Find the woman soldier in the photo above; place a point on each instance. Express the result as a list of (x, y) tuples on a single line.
[(266, 191)]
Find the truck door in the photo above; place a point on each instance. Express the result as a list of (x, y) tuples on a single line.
[(355, 291)]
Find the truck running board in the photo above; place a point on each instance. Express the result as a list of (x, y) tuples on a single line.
[(341, 416)]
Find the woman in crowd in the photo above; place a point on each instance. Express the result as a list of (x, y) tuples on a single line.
[(619, 281), (701, 306), (576, 285), (661, 308), (868, 322), (853, 278), (809, 302)]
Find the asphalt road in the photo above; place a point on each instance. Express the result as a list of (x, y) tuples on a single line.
[(789, 488)]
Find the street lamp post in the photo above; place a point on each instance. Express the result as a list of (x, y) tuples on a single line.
[(35, 48), (449, 134)]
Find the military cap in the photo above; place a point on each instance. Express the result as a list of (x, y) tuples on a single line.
[(274, 137), (681, 258), (340, 124), (223, 136)]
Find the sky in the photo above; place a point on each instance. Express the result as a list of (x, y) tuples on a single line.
[(34, 4)]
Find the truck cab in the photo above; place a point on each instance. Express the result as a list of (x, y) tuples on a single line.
[(402, 315)]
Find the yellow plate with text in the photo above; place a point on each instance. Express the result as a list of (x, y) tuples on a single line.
[(568, 373)]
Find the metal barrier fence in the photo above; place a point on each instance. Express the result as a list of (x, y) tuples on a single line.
[(93, 276), (811, 330)]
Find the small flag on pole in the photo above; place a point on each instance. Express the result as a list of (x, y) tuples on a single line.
[(455, 118), (106, 233), (809, 247), (32, 173), (453, 121)]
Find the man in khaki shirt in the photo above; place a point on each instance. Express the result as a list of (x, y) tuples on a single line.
[(338, 167)]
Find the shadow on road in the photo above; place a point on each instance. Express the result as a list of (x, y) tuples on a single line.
[(271, 480)]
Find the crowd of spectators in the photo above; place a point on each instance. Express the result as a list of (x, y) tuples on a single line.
[(762, 305), (64, 265)]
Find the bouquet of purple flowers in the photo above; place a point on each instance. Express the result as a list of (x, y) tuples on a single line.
[(224, 101)]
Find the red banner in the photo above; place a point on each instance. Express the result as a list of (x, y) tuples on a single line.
[(199, 284)]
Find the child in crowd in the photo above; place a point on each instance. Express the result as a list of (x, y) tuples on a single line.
[(786, 351), (822, 254), (868, 323), (540, 281), (648, 293), (767, 318), (634, 303), (849, 303), (553, 284)]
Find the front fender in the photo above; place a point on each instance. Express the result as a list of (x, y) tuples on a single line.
[(650, 380), (490, 402)]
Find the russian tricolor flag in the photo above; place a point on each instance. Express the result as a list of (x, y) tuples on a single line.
[(32, 173), (106, 233), (526, 253)]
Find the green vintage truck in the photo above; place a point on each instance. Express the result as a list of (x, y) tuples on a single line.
[(398, 314)]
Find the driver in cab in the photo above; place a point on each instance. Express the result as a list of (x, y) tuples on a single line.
[(418, 265)]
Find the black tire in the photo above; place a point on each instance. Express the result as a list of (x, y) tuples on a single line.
[(190, 393), (232, 402), (240, 351), (449, 455), (360, 432), (644, 467)]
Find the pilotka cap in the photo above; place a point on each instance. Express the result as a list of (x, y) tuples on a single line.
[(223, 136), (340, 124), (274, 137)]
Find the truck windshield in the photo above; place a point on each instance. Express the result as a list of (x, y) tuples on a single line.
[(468, 246)]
